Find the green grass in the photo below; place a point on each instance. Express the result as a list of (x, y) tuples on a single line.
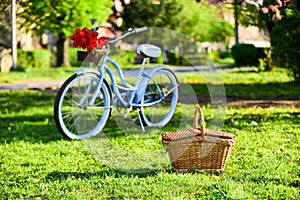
[(37, 163), (243, 85), (238, 85), (36, 74), (275, 76)]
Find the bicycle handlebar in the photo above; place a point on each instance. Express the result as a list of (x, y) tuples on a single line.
[(129, 32), (137, 30)]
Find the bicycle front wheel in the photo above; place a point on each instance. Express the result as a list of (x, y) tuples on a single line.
[(160, 98), (81, 109)]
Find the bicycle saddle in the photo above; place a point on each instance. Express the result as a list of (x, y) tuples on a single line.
[(148, 50)]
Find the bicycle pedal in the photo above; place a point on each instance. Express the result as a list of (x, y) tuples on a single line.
[(128, 119)]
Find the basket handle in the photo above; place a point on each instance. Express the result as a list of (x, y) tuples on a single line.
[(198, 112)]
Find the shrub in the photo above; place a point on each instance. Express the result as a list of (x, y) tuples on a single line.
[(286, 45), (33, 59), (245, 55), (72, 53), (173, 58), (225, 54), (261, 53), (122, 57)]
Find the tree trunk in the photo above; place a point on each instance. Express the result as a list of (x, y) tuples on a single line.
[(60, 52), (269, 61), (236, 22), (66, 62)]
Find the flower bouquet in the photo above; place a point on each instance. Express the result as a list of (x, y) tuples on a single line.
[(89, 40)]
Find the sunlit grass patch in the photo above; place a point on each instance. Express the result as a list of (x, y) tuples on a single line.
[(36, 162)]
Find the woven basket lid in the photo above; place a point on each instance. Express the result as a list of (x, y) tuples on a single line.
[(196, 131)]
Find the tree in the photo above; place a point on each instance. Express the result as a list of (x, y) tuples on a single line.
[(263, 14), (282, 19), (159, 13), (199, 22), (5, 24), (286, 42), (61, 18), (202, 23)]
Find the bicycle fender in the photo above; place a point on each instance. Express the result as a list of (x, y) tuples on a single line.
[(86, 70), (143, 83)]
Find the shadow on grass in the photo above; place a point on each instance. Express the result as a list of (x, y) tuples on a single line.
[(27, 116), (242, 120), (283, 91), (61, 176), (37, 129)]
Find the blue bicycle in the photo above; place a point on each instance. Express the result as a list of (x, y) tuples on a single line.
[(86, 100)]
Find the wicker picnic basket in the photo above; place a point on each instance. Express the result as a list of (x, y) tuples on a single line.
[(198, 148)]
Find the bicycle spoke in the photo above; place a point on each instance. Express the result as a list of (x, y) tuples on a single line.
[(75, 118), (160, 98), (171, 90)]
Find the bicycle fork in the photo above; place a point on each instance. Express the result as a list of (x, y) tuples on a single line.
[(88, 92)]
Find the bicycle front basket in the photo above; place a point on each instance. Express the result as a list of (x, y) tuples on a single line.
[(85, 56)]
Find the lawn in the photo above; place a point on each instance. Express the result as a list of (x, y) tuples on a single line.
[(37, 162), (36, 74)]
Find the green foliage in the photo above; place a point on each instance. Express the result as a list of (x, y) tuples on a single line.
[(217, 55), (252, 14), (225, 54), (41, 58), (201, 22), (123, 58), (191, 59), (261, 52), (198, 21), (72, 53), (173, 58), (5, 23), (61, 17), (245, 55), (151, 13), (286, 45), (33, 59)]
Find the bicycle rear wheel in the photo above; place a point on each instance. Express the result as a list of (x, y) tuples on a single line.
[(160, 98), (75, 118)]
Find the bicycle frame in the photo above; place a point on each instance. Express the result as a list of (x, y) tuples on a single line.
[(136, 90)]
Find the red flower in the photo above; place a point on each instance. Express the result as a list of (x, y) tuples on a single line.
[(84, 45), (93, 40), (84, 40), (87, 40), (90, 47), (86, 30), (77, 30), (81, 34), (73, 37), (103, 40), (75, 44), (94, 34)]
